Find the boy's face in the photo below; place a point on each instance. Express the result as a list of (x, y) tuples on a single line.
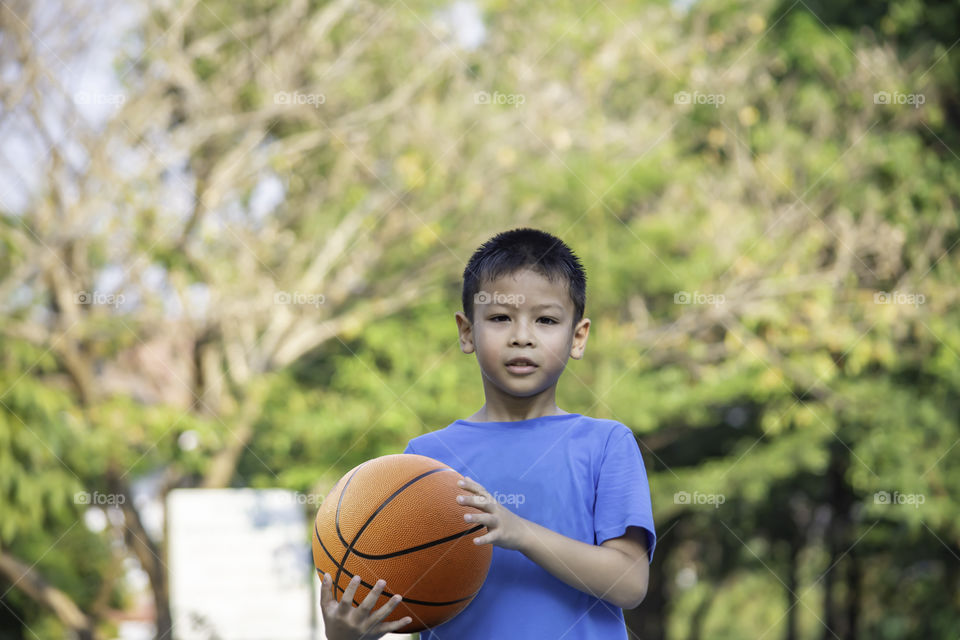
[(522, 315)]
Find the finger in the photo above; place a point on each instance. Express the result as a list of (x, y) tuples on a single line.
[(474, 501), (484, 539), (486, 519), (367, 605), (346, 602), (478, 489), (468, 484), (471, 485), (326, 591), (386, 609), (388, 627)]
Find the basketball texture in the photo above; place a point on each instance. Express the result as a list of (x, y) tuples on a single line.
[(396, 517)]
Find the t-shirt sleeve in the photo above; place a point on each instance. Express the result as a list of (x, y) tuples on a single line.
[(409, 448), (623, 494)]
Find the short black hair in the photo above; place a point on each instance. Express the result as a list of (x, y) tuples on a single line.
[(511, 251)]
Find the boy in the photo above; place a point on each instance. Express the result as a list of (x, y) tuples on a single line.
[(564, 496)]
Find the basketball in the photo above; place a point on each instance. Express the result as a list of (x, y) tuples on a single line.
[(396, 517)]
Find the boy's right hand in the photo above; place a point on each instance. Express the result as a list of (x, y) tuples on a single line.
[(343, 621)]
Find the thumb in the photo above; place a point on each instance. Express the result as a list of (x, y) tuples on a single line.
[(326, 592)]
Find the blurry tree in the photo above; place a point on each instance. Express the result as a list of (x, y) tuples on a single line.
[(771, 252), (251, 197), (808, 376)]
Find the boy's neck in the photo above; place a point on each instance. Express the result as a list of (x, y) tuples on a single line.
[(489, 415)]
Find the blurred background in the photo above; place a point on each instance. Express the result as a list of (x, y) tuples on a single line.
[(231, 240)]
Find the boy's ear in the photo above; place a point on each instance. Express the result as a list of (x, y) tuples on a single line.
[(580, 334), (465, 329)]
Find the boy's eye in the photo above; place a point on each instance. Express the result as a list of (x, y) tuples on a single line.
[(497, 319)]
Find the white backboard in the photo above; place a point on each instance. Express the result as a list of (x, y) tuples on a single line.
[(240, 566)]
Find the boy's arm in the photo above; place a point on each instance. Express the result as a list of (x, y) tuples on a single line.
[(616, 571)]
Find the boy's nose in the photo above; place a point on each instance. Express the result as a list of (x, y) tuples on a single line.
[(521, 337)]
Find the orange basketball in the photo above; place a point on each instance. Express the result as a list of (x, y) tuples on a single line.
[(396, 517)]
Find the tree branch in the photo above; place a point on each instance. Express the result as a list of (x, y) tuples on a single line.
[(28, 580)]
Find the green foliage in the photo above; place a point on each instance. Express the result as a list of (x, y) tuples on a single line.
[(823, 417), (44, 471), (38, 440)]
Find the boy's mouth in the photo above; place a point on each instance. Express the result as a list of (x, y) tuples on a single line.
[(521, 365)]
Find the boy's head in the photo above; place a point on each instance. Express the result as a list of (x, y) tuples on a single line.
[(512, 251), (524, 293)]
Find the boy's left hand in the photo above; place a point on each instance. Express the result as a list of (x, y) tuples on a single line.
[(504, 528)]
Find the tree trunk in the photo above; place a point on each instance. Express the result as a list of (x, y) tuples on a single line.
[(150, 556), (838, 540), (853, 593), (25, 578), (792, 586), (224, 463), (699, 617)]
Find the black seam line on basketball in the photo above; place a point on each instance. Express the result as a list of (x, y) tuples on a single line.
[(336, 581), (426, 603), (343, 541), (426, 545)]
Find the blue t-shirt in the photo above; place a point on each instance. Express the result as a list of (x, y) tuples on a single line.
[(579, 476)]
